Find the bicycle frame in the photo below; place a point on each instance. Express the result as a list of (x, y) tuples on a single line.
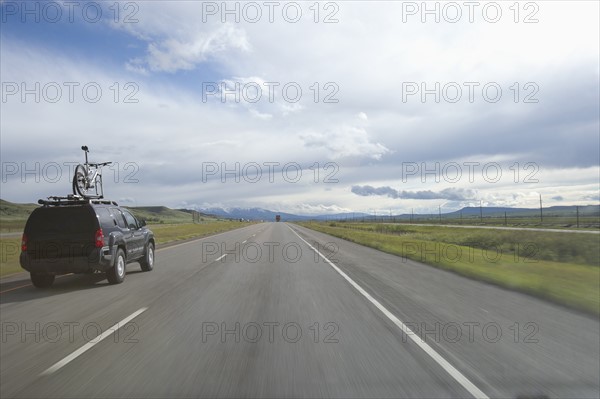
[(93, 173), (88, 176)]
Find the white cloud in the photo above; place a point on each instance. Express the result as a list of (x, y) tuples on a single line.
[(345, 141), (136, 65), (369, 133), (172, 55)]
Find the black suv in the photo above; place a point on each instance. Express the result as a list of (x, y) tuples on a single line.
[(84, 236)]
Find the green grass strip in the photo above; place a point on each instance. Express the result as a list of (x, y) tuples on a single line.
[(516, 263)]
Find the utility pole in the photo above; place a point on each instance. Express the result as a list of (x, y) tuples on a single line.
[(440, 212), (577, 208), (541, 214), (412, 214), (505, 218)]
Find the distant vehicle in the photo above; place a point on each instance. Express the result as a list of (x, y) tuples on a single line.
[(277, 218), (72, 235)]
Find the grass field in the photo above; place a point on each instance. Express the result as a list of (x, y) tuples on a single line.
[(178, 232), (560, 267), (10, 246), (8, 225)]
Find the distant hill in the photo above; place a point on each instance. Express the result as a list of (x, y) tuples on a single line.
[(162, 214), (250, 214), (267, 215), (586, 210), (467, 212), (9, 210), (191, 211)]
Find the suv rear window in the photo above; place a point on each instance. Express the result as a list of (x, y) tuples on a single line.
[(73, 219)]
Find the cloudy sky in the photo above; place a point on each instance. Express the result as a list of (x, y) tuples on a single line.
[(304, 107)]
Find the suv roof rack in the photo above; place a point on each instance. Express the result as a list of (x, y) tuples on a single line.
[(73, 200)]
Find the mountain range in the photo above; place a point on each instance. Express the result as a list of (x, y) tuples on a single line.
[(467, 212), (162, 214), (264, 214)]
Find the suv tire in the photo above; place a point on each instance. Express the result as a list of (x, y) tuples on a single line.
[(116, 274), (147, 262)]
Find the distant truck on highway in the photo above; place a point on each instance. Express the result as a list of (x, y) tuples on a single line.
[(277, 218)]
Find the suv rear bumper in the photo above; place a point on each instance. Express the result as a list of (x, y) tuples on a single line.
[(99, 259)]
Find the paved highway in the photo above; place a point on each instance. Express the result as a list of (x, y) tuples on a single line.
[(276, 310)]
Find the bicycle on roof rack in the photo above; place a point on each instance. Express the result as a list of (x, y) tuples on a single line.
[(87, 179)]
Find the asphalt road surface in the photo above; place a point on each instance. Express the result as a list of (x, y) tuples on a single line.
[(276, 310)]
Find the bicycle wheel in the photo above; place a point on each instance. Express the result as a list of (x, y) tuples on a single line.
[(80, 183)]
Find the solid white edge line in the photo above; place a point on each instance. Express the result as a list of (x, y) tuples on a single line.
[(243, 242), (57, 366), (450, 369), (220, 257)]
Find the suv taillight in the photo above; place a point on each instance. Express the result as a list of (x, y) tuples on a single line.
[(24, 243), (99, 239)]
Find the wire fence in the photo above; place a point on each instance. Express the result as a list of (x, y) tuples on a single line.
[(579, 217)]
